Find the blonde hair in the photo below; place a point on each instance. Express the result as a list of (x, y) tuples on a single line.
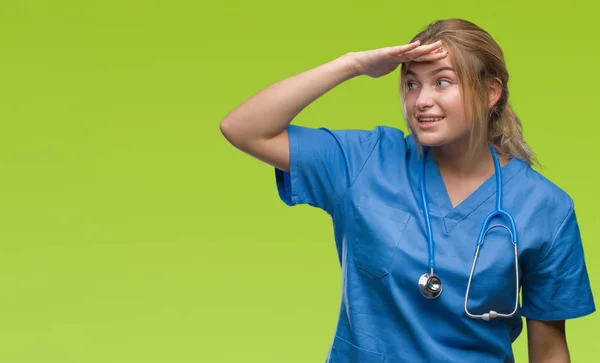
[(478, 60)]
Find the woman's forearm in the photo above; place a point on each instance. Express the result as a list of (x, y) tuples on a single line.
[(271, 110)]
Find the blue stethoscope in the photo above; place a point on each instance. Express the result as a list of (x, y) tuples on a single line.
[(429, 283)]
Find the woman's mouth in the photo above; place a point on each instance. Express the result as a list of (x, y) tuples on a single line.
[(429, 123), (429, 119)]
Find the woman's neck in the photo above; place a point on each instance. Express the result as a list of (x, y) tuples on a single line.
[(462, 172), (455, 162)]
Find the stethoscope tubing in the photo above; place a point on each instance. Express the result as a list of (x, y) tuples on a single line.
[(485, 228)]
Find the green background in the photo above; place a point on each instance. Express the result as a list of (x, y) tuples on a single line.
[(131, 231)]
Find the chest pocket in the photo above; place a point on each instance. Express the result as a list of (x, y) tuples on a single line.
[(379, 228)]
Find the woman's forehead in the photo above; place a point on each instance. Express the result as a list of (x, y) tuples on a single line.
[(426, 69)]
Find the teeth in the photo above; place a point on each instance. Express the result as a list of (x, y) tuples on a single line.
[(430, 119)]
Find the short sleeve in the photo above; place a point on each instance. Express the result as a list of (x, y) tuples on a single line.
[(323, 164), (558, 287)]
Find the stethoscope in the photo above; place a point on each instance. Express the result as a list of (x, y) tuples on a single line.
[(429, 283)]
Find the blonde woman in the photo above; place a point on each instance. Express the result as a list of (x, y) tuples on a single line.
[(437, 231)]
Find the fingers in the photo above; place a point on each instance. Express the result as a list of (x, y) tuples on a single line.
[(415, 48), (431, 57), (399, 49), (430, 47), (416, 52), (424, 49), (426, 53)]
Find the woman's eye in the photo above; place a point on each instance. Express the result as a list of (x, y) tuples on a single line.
[(443, 81)]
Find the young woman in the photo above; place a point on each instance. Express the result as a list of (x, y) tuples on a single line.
[(411, 213)]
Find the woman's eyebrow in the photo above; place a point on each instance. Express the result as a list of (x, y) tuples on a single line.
[(432, 73)]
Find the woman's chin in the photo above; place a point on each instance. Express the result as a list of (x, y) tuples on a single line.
[(430, 140)]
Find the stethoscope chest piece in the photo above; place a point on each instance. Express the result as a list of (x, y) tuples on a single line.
[(430, 285)]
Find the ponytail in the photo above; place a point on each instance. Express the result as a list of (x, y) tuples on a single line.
[(506, 134)]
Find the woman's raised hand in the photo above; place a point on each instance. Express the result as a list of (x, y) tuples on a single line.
[(379, 62)]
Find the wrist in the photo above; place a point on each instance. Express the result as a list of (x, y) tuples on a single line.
[(348, 66)]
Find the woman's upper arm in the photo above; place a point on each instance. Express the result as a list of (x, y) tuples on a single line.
[(274, 151)]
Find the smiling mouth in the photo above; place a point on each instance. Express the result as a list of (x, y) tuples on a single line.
[(430, 120)]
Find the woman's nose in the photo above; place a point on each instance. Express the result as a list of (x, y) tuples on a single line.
[(424, 100)]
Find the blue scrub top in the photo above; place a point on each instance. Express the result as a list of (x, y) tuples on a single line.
[(367, 181)]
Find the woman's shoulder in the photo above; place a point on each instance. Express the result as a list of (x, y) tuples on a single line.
[(538, 189), (379, 132), (392, 132), (393, 138), (390, 141)]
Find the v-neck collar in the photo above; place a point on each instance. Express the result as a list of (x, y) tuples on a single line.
[(437, 193)]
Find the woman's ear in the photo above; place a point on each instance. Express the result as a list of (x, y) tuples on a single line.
[(495, 91)]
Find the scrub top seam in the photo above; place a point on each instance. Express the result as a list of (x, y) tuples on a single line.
[(568, 314), (560, 226), (338, 202)]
